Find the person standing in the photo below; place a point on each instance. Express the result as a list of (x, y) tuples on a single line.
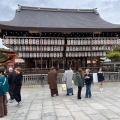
[(52, 81), (100, 79), (88, 81), (67, 78), (79, 82), (18, 84), (3, 93), (11, 76)]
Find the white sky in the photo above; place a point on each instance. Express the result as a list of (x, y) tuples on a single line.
[(109, 9)]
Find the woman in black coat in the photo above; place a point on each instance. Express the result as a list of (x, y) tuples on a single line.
[(18, 84), (100, 79)]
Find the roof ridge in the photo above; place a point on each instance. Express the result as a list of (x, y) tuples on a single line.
[(57, 9)]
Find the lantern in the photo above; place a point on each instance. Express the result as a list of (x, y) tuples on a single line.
[(48, 48), (78, 41), (67, 48), (6, 41), (11, 41), (68, 42), (71, 42), (55, 48), (27, 55), (20, 54), (88, 54), (79, 54), (24, 55), (45, 42), (22, 41), (31, 55), (70, 54), (15, 48), (75, 42), (59, 42), (30, 42), (20, 48), (30, 48), (45, 48), (58, 55), (82, 41), (55, 55), (34, 48), (51, 49), (23, 48), (56, 42), (48, 55), (34, 41), (38, 48), (15, 41), (26, 41), (63, 42), (44, 55), (66, 54), (37, 41), (51, 54), (48, 41), (38, 55), (18, 41)]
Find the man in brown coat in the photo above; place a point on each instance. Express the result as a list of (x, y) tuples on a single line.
[(52, 81)]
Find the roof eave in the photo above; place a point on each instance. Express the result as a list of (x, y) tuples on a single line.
[(47, 29)]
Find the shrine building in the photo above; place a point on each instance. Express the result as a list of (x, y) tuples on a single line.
[(46, 37)]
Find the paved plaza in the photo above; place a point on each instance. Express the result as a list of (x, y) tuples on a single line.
[(39, 105)]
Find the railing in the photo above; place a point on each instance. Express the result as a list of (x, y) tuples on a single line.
[(38, 79), (112, 76)]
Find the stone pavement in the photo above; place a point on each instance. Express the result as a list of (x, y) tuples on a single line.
[(39, 105)]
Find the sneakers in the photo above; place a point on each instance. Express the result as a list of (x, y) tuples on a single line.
[(81, 99), (101, 89), (11, 101), (19, 104)]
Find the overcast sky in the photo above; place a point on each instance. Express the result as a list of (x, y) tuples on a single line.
[(109, 9)]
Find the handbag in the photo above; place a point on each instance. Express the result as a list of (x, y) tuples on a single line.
[(63, 87)]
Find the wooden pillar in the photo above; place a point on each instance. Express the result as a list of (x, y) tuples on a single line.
[(98, 62), (86, 62)]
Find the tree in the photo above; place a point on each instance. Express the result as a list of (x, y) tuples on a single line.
[(115, 54), (3, 57)]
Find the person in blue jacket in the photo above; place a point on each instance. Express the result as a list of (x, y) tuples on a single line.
[(3, 93), (88, 81)]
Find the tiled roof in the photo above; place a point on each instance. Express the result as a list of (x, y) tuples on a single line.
[(57, 19)]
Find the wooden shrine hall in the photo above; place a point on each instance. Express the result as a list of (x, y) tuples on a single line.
[(46, 37)]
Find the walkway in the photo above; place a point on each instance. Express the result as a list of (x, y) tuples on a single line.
[(39, 105)]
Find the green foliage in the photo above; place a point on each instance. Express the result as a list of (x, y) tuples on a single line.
[(3, 57), (115, 54), (117, 48), (2, 49)]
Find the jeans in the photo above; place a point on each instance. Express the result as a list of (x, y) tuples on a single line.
[(88, 91)]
